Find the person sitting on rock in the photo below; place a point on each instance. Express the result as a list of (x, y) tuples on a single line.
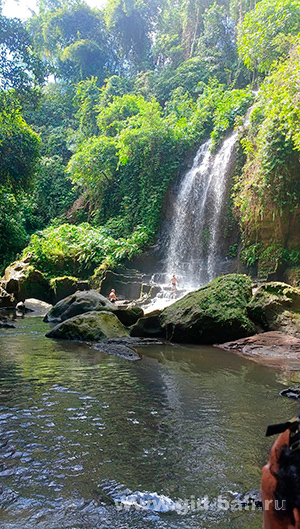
[(280, 484), (112, 296)]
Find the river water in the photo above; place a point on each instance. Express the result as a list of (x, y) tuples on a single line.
[(84, 435)]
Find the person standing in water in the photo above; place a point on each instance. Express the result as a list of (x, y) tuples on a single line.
[(174, 283)]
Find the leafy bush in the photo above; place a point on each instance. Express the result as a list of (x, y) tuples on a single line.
[(77, 250)]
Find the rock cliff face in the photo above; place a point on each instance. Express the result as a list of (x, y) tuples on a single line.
[(278, 236)]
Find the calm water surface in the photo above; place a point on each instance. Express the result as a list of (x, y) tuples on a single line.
[(80, 429)]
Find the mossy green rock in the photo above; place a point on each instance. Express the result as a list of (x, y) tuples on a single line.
[(87, 301), (213, 314), (130, 315), (63, 286), (78, 303), (33, 285), (276, 306), (89, 326)]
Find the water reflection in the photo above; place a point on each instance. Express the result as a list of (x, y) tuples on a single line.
[(79, 428)]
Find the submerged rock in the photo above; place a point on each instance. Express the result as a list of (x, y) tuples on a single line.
[(118, 349), (5, 323), (89, 326), (214, 313), (276, 306)]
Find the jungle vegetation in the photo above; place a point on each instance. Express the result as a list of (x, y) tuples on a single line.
[(100, 109)]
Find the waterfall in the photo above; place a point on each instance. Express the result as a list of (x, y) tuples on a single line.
[(196, 232)]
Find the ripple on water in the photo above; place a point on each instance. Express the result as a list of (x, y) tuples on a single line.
[(81, 429)]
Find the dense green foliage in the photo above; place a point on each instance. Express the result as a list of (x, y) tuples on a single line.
[(134, 89), (268, 190), (77, 250)]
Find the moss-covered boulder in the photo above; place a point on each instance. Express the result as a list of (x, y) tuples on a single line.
[(62, 287), (78, 303), (130, 315), (214, 313), (33, 284), (24, 281), (276, 306), (89, 326)]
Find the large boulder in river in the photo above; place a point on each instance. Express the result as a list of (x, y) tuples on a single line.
[(215, 313), (276, 306), (78, 303), (89, 326), (87, 301), (148, 326)]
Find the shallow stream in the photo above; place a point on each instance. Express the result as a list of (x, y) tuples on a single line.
[(85, 435)]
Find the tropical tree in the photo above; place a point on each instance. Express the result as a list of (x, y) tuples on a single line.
[(75, 41), (265, 35), (133, 22), (20, 67)]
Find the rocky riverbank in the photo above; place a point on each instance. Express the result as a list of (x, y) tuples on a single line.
[(274, 349), (261, 322)]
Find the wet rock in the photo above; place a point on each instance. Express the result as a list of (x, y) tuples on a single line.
[(89, 326), (6, 300), (5, 323), (86, 301), (269, 348), (24, 281), (291, 393), (78, 303), (129, 315), (128, 284), (148, 326), (276, 306), (214, 313), (118, 350)]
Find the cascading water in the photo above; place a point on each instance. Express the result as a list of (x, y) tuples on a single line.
[(195, 253), (196, 249), (196, 231)]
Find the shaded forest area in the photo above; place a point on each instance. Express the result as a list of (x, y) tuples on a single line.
[(101, 109)]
